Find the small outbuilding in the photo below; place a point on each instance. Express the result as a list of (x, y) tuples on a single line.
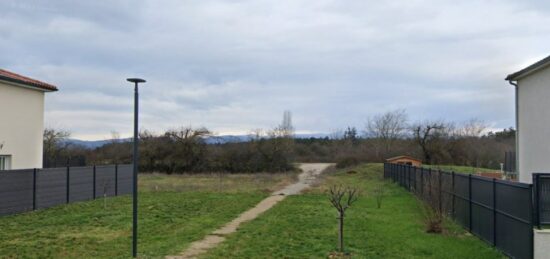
[(405, 160)]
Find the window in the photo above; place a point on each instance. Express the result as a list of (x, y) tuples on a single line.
[(5, 162)]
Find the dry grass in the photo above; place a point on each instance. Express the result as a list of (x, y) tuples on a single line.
[(216, 182)]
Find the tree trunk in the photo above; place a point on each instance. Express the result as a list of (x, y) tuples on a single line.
[(341, 233)]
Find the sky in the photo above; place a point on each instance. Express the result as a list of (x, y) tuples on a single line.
[(236, 66)]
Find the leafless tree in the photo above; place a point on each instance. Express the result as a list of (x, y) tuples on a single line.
[(285, 129), (342, 198), (105, 184), (387, 128), (54, 144), (429, 136)]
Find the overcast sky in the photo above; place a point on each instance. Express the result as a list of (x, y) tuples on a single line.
[(234, 66)]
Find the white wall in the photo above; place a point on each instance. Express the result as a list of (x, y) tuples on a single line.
[(540, 243), (21, 125), (534, 124)]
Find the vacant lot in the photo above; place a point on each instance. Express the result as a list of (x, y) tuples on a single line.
[(174, 211), (305, 226), (461, 169)]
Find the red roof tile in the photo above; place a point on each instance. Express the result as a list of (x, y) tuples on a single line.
[(16, 78)]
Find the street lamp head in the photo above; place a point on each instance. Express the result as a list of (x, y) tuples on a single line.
[(136, 80)]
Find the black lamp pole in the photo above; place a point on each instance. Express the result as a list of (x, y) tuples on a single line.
[(136, 81)]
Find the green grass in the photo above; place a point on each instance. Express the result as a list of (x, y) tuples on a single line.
[(174, 211), (461, 169), (305, 226)]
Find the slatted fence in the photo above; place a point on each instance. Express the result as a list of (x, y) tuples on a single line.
[(31, 189), (499, 212)]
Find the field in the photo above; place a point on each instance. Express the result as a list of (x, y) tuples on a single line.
[(305, 226), (177, 210), (174, 211), (461, 169)]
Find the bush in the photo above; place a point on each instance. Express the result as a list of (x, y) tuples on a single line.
[(347, 162)]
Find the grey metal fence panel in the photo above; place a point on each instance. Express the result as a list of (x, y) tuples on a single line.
[(81, 183), (125, 176), (29, 189), (544, 201), (16, 191), (514, 237), (51, 187), (105, 180), (498, 211)]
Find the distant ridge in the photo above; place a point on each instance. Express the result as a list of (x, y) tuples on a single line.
[(93, 144)]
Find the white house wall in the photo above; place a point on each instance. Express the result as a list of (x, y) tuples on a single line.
[(21, 125), (534, 124)]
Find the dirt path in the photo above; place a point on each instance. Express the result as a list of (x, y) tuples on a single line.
[(305, 179)]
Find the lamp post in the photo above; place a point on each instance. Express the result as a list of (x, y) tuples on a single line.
[(136, 81)]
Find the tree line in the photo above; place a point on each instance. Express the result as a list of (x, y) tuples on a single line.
[(383, 136)]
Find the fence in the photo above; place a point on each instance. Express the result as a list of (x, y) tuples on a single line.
[(32, 189), (499, 212), (541, 195)]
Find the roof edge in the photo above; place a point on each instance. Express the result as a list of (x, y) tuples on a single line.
[(42, 87), (543, 63), (23, 84)]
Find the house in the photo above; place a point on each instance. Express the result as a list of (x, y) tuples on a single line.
[(22, 122), (405, 160), (532, 87)]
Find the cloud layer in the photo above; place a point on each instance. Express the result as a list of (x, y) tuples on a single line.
[(233, 66)]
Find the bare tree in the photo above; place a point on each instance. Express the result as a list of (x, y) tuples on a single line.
[(285, 129), (105, 184), (341, 199), (472, 128), (387, 128), (428, 135), (54, 144)]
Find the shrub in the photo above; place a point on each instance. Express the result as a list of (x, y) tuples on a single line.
[(347, 162)]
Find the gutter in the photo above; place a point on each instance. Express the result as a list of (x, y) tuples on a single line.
[(515, 84)]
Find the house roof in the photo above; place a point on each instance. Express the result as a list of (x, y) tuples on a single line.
[(529, 70), (403, 157), (16, 78)]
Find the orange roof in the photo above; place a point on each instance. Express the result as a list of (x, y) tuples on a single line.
[(401, 157), (16, 78)]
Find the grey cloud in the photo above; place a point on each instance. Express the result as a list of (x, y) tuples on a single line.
[(236, 65)]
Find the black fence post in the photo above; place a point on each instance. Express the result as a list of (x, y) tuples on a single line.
[(409, 177), (422, 182), (430, 183), (68, 183), (116, 179), (94, 182), (494, 212), (536, 186), (439, 174), (470, 201), (34, 189), (453, 194)]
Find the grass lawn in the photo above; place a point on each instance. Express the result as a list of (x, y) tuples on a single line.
[(461, 169), (305, 226), (174, 211)]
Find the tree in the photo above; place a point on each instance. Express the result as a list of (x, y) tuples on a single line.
[(342, 199), (350, 135), (387, 128), (429, 135), (54, 145)]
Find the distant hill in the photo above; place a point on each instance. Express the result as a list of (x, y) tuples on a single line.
[(93, 144)]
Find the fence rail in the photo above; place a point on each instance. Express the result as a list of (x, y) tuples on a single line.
[(499, 212), (31, 189)]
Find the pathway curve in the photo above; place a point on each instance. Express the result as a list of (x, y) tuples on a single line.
[(305, 179)]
